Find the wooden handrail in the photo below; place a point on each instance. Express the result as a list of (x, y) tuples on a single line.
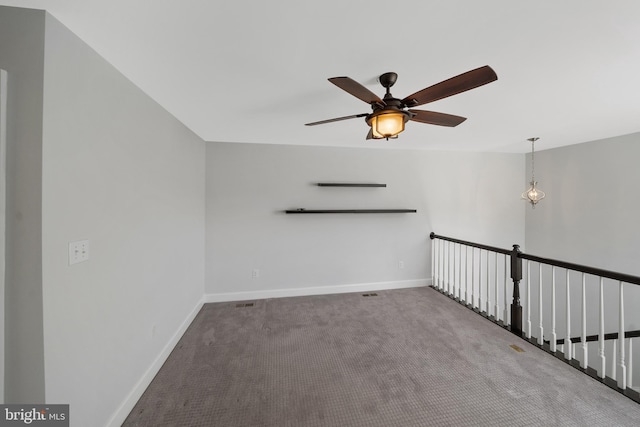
[(472, 244), (591, 338), (622, 277), (627, 278)]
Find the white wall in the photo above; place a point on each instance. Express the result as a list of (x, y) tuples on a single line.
[(22, 55), (590, 214), (589, 217), (466, 195), (119, 171)]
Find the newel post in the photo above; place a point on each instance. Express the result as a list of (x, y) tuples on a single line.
[(516, 276)]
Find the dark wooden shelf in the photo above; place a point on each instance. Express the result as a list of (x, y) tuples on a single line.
[(344, 184), (339, 211)]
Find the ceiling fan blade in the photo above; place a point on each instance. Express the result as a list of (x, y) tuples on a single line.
[(356, 89), (337, 119), (434, 118), (458, 84)]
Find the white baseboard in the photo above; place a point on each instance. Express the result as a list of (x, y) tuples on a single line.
[(316, 290), (130, 401)]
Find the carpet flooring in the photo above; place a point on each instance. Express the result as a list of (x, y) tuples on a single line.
[(408, 357)]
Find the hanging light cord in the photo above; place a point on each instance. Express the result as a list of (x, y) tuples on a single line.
[(533, 176), (533, 140)]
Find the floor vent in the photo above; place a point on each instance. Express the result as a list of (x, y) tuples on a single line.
[(370, 295), (244, 304), (516, 348)]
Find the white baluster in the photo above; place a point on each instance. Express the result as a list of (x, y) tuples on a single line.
[(480, 281), (603, 361), (540, 337), (497, 306), (433, 262), (449, 269), (567, 355), (438, 255), (438, 264), (444, 266), (441, 256), (466, 275), (488, 285), (445, 256), (583, 336), (553, 309), (614, 358), (453, 271), (460, 272), (506, 306), (622, 374), (442, 261), (630, 365), (473, 277), (528, 299), (452, 292), (448, 279)]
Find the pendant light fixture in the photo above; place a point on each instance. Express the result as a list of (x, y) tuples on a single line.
[(533, 195)]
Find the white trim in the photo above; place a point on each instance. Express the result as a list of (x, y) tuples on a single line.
[(130, 401), (317, 290), (120, 415), (3, 195)]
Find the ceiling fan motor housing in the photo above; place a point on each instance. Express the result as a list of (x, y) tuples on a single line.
[(390, 104), (387, 120), (388, 79)]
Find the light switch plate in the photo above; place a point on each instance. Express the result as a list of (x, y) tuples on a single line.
[(78, 251)]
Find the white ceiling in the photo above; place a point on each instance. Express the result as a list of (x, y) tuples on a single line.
[(256, 71)]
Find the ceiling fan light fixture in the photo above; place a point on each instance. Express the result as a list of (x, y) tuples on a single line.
[(387, 123)]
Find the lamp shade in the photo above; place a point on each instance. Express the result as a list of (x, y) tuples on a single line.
[(387, 124)]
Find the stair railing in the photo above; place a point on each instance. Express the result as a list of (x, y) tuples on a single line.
[(477, 276)]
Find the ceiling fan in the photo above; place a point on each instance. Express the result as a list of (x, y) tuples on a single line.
[(390, 114)]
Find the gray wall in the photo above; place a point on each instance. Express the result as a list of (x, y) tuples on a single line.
[(590, 217), (590, 214), (90, 156), (467, 195), (123, 173), (22, 55)]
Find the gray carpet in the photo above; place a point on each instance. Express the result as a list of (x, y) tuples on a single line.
[(409, 357)]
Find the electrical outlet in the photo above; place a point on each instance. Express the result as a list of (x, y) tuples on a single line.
[(255, 273), (78, 251), (400, 265)]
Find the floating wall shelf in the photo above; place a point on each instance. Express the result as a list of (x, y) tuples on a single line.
[(344, 184), (339, 211)]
